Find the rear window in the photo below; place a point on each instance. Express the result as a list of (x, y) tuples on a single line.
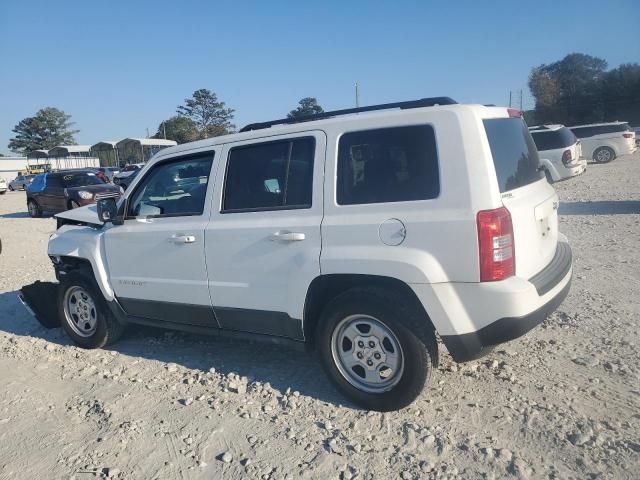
[(81, 180), (387, 165), (554, 139), (585, 132), (514, 154)]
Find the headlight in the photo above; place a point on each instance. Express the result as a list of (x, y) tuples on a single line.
[(85, 195)]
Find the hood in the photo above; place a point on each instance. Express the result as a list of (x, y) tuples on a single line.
[(105, 187), (88, 215)]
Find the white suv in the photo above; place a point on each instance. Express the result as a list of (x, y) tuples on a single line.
[(605, 141), (365, 235), (559, 152)]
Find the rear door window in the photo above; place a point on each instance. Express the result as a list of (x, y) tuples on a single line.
[(54, 181), (388, 165), (554, 139), (514, 153)]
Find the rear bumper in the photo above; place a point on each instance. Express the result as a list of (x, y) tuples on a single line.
[(470, 346), (571, 170), (471, 318)]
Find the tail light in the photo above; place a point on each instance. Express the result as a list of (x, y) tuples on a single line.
[(566, 157), (514, 112), (627, 135), (495, 245)]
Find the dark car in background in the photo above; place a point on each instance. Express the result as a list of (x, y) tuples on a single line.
[(64, 190), (126, 181)]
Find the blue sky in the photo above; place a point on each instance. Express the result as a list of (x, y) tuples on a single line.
[(120, 67)]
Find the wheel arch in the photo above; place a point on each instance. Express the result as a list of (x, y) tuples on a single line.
[(80, 246), (326, 287)]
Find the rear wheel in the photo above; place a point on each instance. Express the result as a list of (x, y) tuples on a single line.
[(377, 350), (10, 188), (73, 204), (604, 155), (34, 209), (84, 313)]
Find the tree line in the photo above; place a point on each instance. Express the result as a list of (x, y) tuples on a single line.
[(575, 90), (201, 116), (579, 89)]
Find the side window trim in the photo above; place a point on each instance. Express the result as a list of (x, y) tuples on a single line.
[(290, 140), (165, 161)]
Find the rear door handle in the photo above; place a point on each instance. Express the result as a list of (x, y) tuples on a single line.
[(182, 239), (286, 236)]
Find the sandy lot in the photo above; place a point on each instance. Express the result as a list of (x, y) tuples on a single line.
[(562, 402)]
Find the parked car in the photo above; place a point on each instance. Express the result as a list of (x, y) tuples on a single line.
[(126, 171), (364, 235), (126, 181), (21, 182), (63, 190), (605, 141), (3, 186), (559, 152)]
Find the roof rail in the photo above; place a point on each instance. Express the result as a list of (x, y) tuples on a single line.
[(423, 102)]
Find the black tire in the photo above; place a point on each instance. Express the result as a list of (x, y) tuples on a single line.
[(10, 188), (73, 204), (34, 209), (3, 192), (412, 330), (24, 187), (107, 330), (604, 155)]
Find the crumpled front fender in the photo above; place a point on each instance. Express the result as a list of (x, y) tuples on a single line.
[(83, 242)]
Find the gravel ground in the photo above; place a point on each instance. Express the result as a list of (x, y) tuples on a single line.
[(562, 402)]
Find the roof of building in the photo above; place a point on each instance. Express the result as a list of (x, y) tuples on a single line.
[(146, 141), (61, 150)]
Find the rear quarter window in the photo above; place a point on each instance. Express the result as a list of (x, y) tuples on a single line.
[(385, 165), (514, 153)]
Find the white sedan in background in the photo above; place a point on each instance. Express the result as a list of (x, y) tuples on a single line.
[(3, 186)]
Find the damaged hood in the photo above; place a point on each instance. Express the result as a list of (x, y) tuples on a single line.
[(87, 214)]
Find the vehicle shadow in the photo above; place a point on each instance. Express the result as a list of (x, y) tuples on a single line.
[(600, 207), (282, 367), (15, 215)]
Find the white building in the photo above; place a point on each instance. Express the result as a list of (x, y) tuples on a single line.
[(10, 166)]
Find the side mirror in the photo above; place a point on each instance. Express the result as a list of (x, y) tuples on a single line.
[(107, 209)]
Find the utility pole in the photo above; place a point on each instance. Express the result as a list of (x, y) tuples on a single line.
[(520, 99), (510, 98), (357, 96), (147, 132), (164, 130)]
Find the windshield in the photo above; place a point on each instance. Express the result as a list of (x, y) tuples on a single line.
[(514, 154), (81, 180), (554, 139)]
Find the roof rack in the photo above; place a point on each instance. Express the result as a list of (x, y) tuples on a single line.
[(423, 102)]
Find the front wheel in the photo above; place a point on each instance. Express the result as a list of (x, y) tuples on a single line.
[(604, 155), (376, 348), (84, 314), (10, 188), (73, 204)]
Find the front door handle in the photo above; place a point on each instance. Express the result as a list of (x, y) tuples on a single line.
[(286, 236), (182, 239)]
